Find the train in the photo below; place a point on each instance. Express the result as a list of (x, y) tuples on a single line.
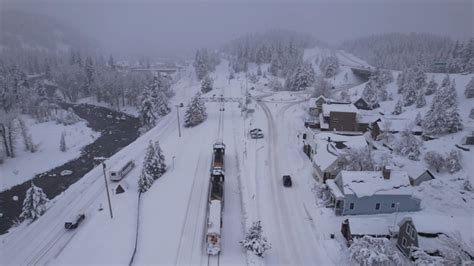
[(215, 199)]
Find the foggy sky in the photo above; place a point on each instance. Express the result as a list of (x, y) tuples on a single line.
[(178, 27)]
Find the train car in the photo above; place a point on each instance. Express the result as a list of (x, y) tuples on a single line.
[(214, 225), (120, 170), (218, 164)]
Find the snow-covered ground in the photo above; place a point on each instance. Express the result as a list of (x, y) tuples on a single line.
[(171, 215), (47, 136)]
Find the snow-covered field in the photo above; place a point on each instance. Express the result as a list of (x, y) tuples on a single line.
[(47, 136)]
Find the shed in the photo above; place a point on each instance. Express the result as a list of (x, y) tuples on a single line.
[(419, 176)]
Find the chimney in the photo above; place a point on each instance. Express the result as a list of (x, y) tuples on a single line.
[(386, 172)]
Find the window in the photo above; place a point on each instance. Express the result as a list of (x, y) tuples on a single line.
[(393, 205), (377, 206), (404, 242), (351, 206), (413, 234), (408, 229)]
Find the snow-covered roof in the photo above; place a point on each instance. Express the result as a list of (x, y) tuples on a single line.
[(334, 188), (214, 222), (373, 226), (398, 124), (328, 152), (368, 183), (344, 108)]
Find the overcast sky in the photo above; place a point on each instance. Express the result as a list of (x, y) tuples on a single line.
[(139, 27)]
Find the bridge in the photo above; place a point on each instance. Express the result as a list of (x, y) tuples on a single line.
[(155, 70), (222, 99), (362, 71)]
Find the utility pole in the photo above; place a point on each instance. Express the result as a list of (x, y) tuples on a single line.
[(179, 126), (107, 189)]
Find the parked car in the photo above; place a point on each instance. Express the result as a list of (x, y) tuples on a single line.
[(256, 133), (76, 222), (287, 181)]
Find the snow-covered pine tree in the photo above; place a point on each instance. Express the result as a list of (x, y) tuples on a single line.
[(151, 164), (62, 143), (329, 66), (144, 182), (401, 78), (432, 86), (254, 240), (206, 84), (195, 112), (146, 111), (409, 93), (162, 107), (469, 92), (418, 119), (446, 81), (370, 92), (27, 139), (408, 145), (398, 107), (434, 160), (471, 113), (302, 78), (161, 158), (420, 99), (34, 204), (453, 161)]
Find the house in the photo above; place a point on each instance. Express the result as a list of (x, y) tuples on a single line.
[(393, 125), (363, 105), (372, 192), (325, 149), (469, 139), (315, 105), (420, 175), (338, 117), (407, 236)]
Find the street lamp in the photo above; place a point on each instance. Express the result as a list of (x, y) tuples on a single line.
[(177, 113), (102, 159)]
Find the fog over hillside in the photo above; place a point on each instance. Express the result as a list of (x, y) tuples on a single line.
[(178, 27)]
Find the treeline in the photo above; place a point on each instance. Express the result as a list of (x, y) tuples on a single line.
[(283, 50), (398, 51)]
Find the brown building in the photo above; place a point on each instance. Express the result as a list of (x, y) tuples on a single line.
[(339, 117)]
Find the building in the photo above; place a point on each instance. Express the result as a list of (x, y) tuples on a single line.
[(325, 149), (338, 117), (361, 104), (420, 175), (393, 125), (372, 192), (316, 104), (407, 236)]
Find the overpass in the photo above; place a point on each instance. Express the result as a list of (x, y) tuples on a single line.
[(362, 71), (155, 70)]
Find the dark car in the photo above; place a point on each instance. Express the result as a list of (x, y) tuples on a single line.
[(287, 181), (75, 223), (255, 130)]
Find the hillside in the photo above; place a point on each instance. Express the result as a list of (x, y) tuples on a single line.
[(35, 32)]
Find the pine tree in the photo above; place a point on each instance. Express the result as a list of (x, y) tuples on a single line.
[(34, 204), (398, 108), (409, 93), (62, 143), (420, 99), (195, 112), (206, 84), (471, 113), (469, 92), (161, 158), (151, 164), (146, 111), (90, 72), (302, 78), (255, 241), (145, 182), (432, 87), (370, 92)]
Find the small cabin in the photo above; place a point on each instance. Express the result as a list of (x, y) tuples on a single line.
[(419, 176), (407, 236)]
